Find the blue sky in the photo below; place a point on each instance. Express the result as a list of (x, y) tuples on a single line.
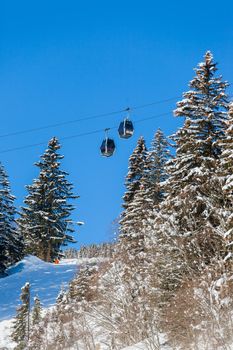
[(63, 60)]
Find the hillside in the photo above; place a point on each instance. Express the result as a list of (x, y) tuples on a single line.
[(46, 281)]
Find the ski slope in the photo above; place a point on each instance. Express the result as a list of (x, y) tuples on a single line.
[(46, 280)]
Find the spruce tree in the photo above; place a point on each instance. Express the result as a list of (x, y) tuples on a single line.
[(151, 193), (158, 155), (130, 248), (21, 326), (193, 195), (82, 288), (45, 219), (133, 182), (148, 193), (11, 242), (147, 197)]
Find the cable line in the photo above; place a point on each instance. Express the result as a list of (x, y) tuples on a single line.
[(80, 135), (96, 116), (60, 124)]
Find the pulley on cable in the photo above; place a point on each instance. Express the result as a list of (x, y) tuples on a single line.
[(107, 147), (126, 128)]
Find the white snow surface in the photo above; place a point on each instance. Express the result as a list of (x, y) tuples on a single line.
[(45, 279)]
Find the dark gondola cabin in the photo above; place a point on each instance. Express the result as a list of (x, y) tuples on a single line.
[(107, 147), (126, 129)]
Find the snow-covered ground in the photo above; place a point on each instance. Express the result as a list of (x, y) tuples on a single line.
[(45, 279)]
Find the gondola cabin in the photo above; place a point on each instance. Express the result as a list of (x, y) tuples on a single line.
[(107, 147), (126, 129)]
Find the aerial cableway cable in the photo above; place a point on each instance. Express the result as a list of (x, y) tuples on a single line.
[(91, 117), (88, 133)]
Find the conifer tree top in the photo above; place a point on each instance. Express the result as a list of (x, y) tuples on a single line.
[(205, 106), (207, 96), (136, 160), (54, 143)]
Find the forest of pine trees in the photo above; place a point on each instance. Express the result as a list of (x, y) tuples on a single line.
[(171, 269)]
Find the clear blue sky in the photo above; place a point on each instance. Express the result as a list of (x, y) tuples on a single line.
[(62, 60)]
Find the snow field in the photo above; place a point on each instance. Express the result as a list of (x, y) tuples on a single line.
[(45, 279)]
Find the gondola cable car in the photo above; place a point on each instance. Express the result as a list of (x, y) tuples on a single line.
[(107, 147), (126, 128)]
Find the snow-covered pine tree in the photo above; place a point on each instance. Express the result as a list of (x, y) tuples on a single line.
[(44, 221), (82, 288), (147, 196), (142, 208), (150, 193), (130, 249), (36, 311), (131, 244), (22, 323), (158, 155), (132, 183), (11, 242), (193, 190)]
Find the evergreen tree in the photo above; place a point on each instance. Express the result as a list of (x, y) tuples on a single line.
[(44, 221), (193, 195), (158, 156), (130, 248), (136, 167), (148, 193), (36, 311), (147, 197), (133, 182), (21, 326), (11, 243), (151, 193), (82, 288)]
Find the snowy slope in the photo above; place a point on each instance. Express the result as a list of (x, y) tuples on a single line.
[(46, 280)]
